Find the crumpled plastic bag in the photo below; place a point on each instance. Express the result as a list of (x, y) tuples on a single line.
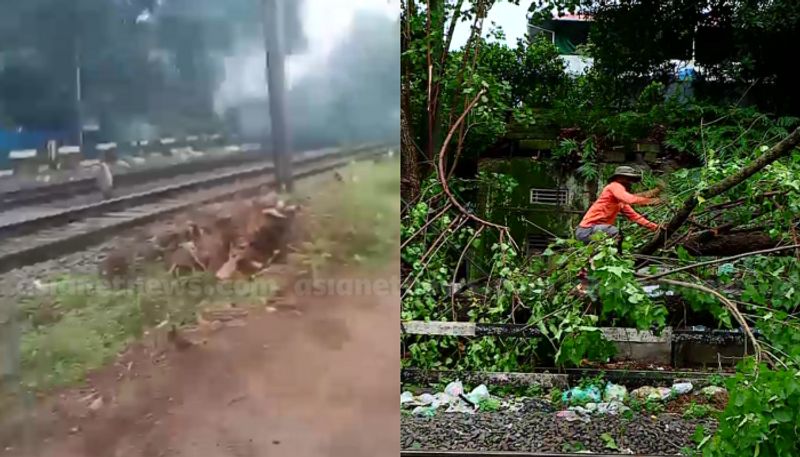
[(599, 409), (581, 395), (614, 392), (478, 394), (651, 393), (682, 388), (425, 411), (572, 416), (711, 391), (611, 408), (454, 389), (406, 397)]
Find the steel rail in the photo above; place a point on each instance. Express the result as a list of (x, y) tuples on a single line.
[(46, 193), (78, 228)]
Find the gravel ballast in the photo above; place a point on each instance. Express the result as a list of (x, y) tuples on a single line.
[(535, 427)]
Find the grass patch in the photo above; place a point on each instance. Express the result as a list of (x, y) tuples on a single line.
[(354, 222), (82, 323)]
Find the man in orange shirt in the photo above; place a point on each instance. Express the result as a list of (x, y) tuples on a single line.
[(614, 199)]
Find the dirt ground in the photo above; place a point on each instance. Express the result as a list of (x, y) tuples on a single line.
[(319, 378)]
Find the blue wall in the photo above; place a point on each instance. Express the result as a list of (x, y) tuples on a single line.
[(27, 139)]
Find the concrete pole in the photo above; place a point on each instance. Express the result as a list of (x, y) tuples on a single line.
[(78, 92), (276, 84)]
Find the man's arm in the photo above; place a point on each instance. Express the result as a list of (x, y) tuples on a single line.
[(650, 193), (625, 197), (637, 218)]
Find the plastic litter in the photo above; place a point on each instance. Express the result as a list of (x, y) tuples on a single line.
[(661, 393), (454, 389), (614, 392), (425, 411), (571, 416), (611, 408), (599, 409), (581, 395), (425, 399), (682, 388), (711, 391), (651, 393), (478, 394), (452, 400)]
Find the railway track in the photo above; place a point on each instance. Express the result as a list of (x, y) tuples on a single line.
[(418, 453), (47, 193), (39, 238)]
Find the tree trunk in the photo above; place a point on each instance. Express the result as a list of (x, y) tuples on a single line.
[(730, 244), (780, 150), (409, 160)]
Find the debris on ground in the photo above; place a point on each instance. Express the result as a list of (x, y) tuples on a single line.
[(712, 391), (650, 393), (236, 239), (615, 392), (580, 395), (452, 398)]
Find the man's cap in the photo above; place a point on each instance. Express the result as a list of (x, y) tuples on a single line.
[(628, 172)]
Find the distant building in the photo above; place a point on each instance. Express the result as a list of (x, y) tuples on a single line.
[(567, 32)]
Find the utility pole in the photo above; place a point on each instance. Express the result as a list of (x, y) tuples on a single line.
[(78, 91), (276, 85)]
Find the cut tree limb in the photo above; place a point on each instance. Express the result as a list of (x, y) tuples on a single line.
[(443, 176), (727, 303), (780, 150), (721, 260), (730, 243)]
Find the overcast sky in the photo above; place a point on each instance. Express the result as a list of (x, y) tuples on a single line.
[(511, 18)]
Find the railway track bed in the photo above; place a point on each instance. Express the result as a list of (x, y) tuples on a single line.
[(44, 237), (408, 453), (532, 414), (536, 428), (35, 193)]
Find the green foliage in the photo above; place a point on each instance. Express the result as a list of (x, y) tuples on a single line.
[(584, 345), (363, 231), (573, 446), (598, 381), (609, 442), (556, 395), (698, 411), (762, 415), (489, 404)]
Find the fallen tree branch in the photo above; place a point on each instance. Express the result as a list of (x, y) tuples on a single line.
[(458, 265), (443, 175), (780, 150), (720, 260), (728, 205), (728, 304)]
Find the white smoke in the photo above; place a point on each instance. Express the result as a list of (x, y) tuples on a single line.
[(325, 24)]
